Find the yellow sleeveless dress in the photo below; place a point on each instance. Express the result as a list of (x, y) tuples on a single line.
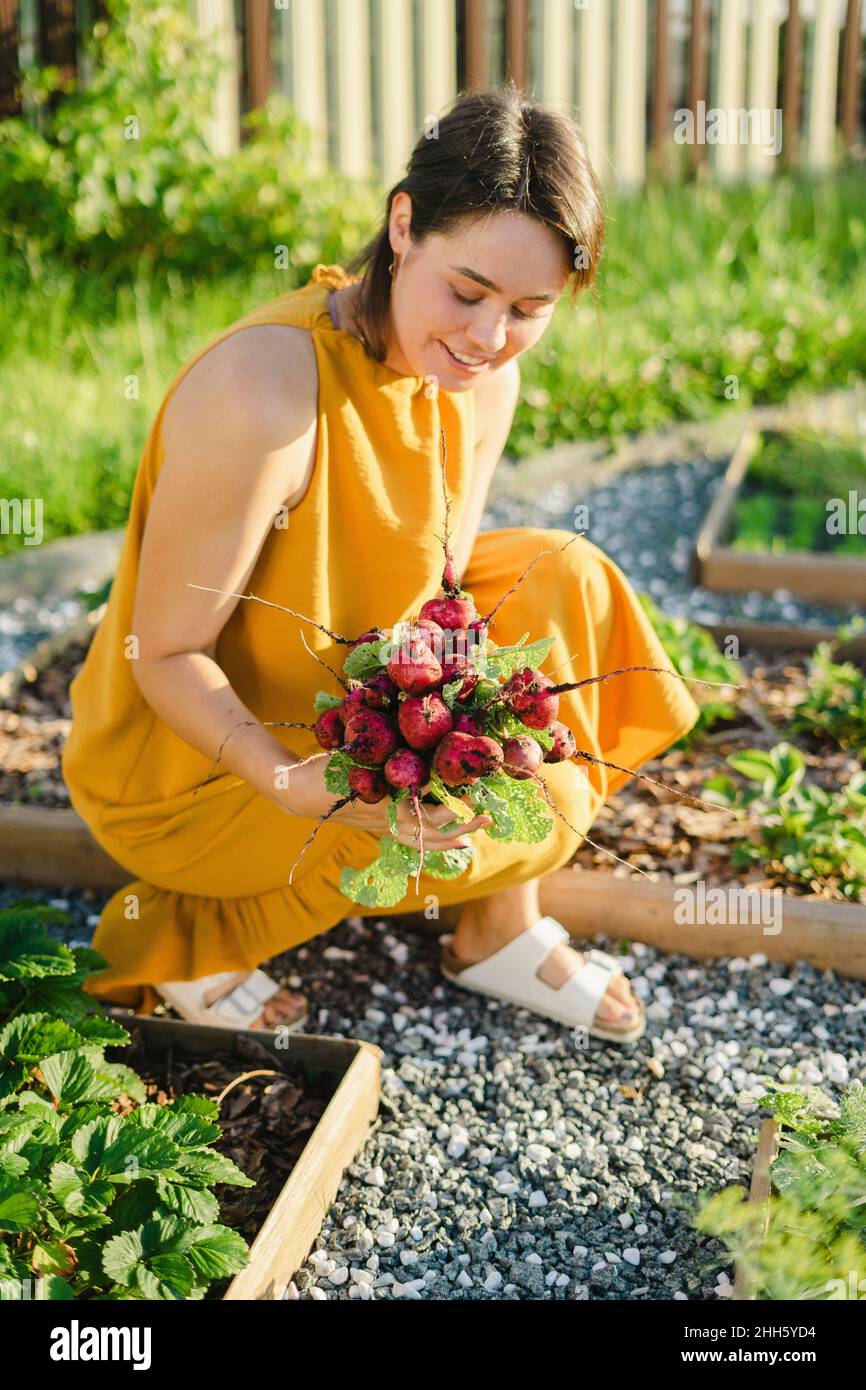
[(210, 867)]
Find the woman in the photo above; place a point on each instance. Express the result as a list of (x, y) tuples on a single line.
[(297, 458)]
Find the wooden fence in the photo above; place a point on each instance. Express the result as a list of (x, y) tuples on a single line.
[(368, 76)]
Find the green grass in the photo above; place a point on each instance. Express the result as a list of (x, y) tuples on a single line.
[(698, 285)]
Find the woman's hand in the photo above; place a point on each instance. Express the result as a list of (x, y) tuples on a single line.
[(308, 796)]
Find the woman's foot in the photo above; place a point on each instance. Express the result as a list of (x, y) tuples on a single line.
[(282, 1009), (488, 924)]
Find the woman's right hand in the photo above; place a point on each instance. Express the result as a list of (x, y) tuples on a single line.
[(308, 796)]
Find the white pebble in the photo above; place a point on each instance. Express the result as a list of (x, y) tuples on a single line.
[(626, 1220), (533, 1258), (641, 1229), (493, 1281), (385, 1238), (408, 1257), (667, 1257), (537, 1199), (339, 1276), (632, 1254), (464, 1280), (375, 1177), (318, 1294), (362, 1276)]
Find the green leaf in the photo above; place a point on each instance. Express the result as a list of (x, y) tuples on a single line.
[(209, 1167), (19, 1208), (382, 883), (391, 812), (507, 725), (447, 797), (78, 1193), (363, 661), (194, 1203), (506, 660), (323, 701), (754, 764), (188, 1131), (516, 806), (447, 863), (450, 691), (216, 1252), (337, 773), (27, 953), (120, 1151)]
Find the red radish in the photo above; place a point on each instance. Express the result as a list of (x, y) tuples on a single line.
[(467, 724), (373, 695), (368, 784), (463, 758), (430, 632), (369, 738), (414, 669), (328, 728), (522, 694), (373, 634), (564, 745), (423, 720), (458, 611), (479, 628), (523, 756), (406, 768), (453, 667)]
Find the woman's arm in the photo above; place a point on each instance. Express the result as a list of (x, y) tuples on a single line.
[(495, 403), (239, 435)]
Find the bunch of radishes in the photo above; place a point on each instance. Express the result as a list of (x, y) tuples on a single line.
[(435, 701), (432, 709)]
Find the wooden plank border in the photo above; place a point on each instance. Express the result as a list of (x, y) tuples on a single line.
[(291, 1226), (828, 935), (759, 1199)]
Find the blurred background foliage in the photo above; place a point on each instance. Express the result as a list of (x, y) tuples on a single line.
[(120, 257)]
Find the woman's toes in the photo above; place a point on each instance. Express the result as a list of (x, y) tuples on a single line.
[(285, 1007), (619, 1004)]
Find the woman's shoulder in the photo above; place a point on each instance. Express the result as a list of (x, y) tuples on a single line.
[(263, 373)]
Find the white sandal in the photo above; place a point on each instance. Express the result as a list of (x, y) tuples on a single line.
[(511, 974), (239, 1007)]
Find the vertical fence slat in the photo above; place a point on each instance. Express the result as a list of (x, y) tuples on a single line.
[(791, 84), (395, 86), (822, 94), (438, 54), (57, 35), (216, 21), (728, 161), (10, 105), (698, 47), (660, 89), (593, 83), (258, 21), (354, 143), (516, 36), (763, 77), (850, 83), (309, 82), (629, 151), (556, 53), (476, 43)]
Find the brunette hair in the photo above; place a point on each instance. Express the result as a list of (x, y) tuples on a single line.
[(492, 151)]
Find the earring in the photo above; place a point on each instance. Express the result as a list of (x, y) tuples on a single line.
[(393, 267)]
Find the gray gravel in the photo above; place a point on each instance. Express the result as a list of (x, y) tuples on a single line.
[(508, 1161), (647, 521)]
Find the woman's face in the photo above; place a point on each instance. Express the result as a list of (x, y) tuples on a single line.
[(486, 290)]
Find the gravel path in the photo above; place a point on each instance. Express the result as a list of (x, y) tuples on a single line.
[(508, 1160), (647, 520)]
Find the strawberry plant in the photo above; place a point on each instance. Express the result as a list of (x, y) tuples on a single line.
[(102, 1196), (834, 706), (694, 653), (798, 830), (816, 1213)]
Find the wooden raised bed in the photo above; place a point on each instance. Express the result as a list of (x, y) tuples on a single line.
[(759, 1197), (287, 1235), (832, 579)]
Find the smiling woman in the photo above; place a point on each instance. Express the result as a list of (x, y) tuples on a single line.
[(297, 458)]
